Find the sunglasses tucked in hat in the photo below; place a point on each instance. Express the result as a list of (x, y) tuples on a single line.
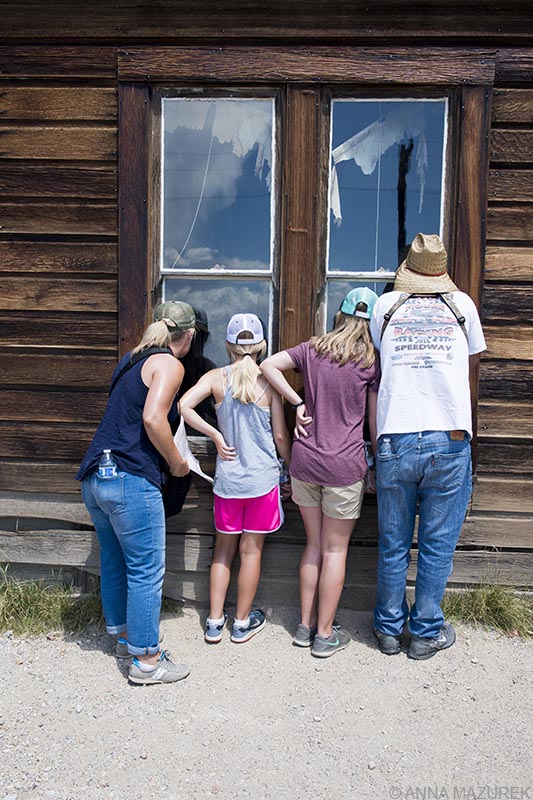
[(424, 270), (362, 295), (177, 315), (239, 323)]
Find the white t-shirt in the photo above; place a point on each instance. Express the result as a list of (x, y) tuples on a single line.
[(424, 363)]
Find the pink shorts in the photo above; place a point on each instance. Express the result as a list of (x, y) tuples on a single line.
[(249, 514)]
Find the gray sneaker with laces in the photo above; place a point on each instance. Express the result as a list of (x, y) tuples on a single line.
[(390, 645), (324, 647), (304, 636), (163, 671), (421, 649)]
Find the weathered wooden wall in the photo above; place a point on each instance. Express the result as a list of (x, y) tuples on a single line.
[(59, 266)]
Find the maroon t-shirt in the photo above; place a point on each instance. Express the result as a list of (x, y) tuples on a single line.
[(335, 396)]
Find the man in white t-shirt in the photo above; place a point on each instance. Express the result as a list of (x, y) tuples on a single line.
[(428, 333)]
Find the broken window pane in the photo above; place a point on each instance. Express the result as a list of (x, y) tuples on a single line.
[(387, 165)]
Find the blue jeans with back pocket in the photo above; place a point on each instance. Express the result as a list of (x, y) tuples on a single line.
[(432, 473), (128, 516)]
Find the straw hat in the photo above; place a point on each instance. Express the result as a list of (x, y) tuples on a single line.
[(424, 270)]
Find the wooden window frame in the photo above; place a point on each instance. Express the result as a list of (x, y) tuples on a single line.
[(306, 73)]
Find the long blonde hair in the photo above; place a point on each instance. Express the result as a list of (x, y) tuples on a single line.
[(348, 341), (158, 335), (244, 373)]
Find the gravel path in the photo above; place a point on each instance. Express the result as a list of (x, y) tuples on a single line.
[(266, 720)]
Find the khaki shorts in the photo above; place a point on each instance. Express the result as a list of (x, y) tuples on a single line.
[(337, 502)]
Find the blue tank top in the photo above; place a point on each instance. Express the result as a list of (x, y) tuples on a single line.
[(247, 428), (121, 429)]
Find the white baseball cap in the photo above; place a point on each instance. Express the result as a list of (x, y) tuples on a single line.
[(239, 323)]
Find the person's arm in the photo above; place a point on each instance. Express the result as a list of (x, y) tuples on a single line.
[(273, 368), (163, 377), (188, 403), (372, 403), (282, 439)]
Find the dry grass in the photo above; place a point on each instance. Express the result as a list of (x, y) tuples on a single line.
[(491, 605)]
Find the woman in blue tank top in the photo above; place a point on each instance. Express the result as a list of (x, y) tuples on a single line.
[(246, 490), (126, 505)]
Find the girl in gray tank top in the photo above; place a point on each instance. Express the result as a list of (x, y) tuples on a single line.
[(251, 432)]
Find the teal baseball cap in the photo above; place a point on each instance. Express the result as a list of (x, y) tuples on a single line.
[(363, 297)]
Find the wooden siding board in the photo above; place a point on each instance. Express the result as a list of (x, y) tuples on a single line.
[(510, 223), (504, 495), (41, 406), (84, 218), (506, 457), (43, 180), (58, 257), (512, 105), (508, 264), (509, 342), (511, 185), (68, 61), (72, 143), (511, 146), (42, 475), (515, 65), (436, 66), (82, 371), (49, 294), (506, 380), (508, 303), (65, 330), (505, 419), (58, 103), (37, 441)]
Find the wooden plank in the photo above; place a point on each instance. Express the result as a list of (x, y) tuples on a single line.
[(469, 242), (512, 105), (38, 441), (508, 263), (31, 507), (509, 342), (514, 65), (58, 103), (510, 223), (504, 419), (503, 495), (39, 476), (134, 254), (511, 146), (301, 255), (191, 554), (502, 380), (49, 294), (66, 330), (20, 405), (22, 179), (512, 185), (58, 257), (505, 458), (34, 61), (33, 369), (72, 143), (442, 66), (489, 531), (58, 218), (509, 303)]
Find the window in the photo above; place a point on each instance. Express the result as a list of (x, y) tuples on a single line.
[(218, 185), (386, 184)]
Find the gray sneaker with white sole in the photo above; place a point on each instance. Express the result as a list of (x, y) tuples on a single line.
[(164, 671), (324, 647)]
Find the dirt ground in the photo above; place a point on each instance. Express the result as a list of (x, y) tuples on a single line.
[(266, 720)]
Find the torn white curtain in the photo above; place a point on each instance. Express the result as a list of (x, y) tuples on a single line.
[(367, 146), (243, 123)]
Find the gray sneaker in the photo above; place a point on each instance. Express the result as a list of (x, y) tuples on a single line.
[(164, 671), (390, 645), (420, 649), (304, 636), (325, 647), (121, 647)]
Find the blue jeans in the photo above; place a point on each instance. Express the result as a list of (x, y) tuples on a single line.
[(128, 516), (434, 471)]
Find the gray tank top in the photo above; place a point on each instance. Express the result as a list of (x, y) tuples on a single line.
[(247, 428)]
